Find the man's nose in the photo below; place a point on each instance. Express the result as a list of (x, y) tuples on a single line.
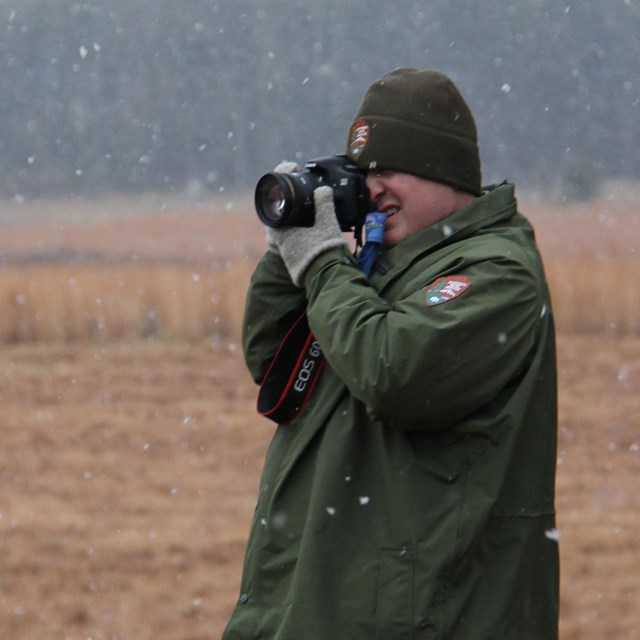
[(375, 184)]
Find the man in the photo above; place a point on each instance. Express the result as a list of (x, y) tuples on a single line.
[(413, 495)]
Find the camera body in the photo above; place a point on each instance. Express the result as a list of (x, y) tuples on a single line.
[(286, 199)]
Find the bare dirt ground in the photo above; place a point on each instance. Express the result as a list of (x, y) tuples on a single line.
[(128, 474), (156, 228), (140, 230)]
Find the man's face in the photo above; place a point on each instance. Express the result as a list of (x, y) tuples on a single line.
[(411, 203)]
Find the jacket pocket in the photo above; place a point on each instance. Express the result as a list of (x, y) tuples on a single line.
[(394, 595)]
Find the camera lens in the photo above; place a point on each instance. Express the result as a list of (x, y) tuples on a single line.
[(273, 199), (276, 201)]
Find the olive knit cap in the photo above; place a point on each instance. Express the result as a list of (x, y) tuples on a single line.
[(416, 121)]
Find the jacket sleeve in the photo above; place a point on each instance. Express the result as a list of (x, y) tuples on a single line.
[(421, 366), (273, 303)]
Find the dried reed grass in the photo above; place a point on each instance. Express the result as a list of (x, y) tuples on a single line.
[(592, 295), (89, 302), (85, 302)]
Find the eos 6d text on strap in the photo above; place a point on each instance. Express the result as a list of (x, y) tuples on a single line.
[(292, 374)]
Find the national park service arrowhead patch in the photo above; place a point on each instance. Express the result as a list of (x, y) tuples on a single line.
[(445, 289), (359, 136)]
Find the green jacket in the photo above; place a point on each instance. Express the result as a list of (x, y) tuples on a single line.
[(413, 498)]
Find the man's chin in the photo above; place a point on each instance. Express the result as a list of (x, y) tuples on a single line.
[(388, 242)]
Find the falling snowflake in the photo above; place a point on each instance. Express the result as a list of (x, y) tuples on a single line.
[(552, 534)]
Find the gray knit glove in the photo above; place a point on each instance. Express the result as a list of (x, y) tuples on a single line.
[(300, 246), (285, 166)]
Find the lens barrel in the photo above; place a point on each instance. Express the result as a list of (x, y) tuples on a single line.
[(285, 200), (274, 199)]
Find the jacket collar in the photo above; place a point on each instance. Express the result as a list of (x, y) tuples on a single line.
[(497, 203)]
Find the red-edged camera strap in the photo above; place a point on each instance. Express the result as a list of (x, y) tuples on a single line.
[(292, 374)]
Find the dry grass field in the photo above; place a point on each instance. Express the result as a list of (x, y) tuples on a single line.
[(131, 448)]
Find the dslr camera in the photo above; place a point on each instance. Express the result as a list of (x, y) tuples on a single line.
[(286, 199)]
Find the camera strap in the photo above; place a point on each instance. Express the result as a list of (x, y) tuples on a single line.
[(292, 374)]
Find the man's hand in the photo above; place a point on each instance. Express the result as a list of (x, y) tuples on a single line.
[(300, 246)]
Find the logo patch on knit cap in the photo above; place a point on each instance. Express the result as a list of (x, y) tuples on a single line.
[(445, 289), (359, 136)]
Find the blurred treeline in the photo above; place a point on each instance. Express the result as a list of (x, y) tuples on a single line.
[(134, 95)]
